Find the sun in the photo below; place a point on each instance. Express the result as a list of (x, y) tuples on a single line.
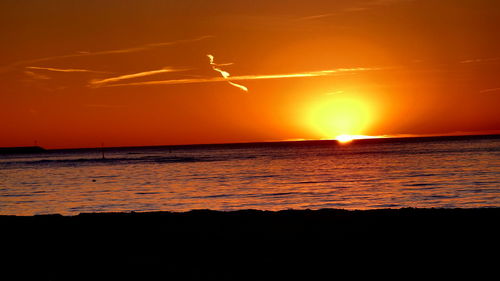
[(343, 119), (349, 138), (345, 138)]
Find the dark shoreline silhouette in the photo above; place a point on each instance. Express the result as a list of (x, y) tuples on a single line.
[(22, 150), (255, 245)]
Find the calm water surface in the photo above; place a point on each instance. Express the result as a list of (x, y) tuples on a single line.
[(432, 172)]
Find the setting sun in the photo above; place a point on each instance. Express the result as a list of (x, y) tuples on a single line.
[(345, 138), (349, 138), (343, 118)]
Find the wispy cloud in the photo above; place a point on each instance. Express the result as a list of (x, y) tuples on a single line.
[(103, 106), (480, 60), (98, 83), (357, 7), (36, 76), (224, 74), (374, 3), (62, 69), (334, 93), (490, 90), (248, 77), (143, 47), (105, 52), (315, 17)]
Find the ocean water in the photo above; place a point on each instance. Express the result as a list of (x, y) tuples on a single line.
[(446, 172)]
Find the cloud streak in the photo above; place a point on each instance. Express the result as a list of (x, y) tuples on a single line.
[(490, 90), (104, 106), (225, 74), (98, 83), (315, 17), (106, 52), (484, 60), (36, 76), (62, 69), (357, 7), (320, 73)]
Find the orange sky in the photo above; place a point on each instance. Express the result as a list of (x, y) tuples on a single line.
[(129, 73)]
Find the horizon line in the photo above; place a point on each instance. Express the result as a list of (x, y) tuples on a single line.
[(373, 138)]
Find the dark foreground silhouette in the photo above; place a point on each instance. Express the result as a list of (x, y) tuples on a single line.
[(22, 150), (254, 245)]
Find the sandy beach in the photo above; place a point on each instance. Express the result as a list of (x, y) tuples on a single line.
[(252, 245)]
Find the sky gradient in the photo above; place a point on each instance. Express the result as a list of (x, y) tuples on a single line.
[(131, 73)]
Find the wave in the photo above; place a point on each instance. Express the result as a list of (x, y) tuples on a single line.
[(112, 160), (120, 160), (268, 153)]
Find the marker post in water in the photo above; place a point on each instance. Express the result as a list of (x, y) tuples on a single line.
[(102, 150)]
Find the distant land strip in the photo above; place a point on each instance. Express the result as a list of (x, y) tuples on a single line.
[(22, 150)]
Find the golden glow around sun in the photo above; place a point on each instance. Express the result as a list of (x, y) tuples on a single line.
[(343, 119)]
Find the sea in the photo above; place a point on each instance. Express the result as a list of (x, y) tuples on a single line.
[(431, 172)]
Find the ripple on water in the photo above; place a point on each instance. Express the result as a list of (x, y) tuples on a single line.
[(278, 176)]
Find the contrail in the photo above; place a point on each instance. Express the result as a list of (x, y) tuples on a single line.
[(248, 77), (224, 74), (98, 83), (62, 69)]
